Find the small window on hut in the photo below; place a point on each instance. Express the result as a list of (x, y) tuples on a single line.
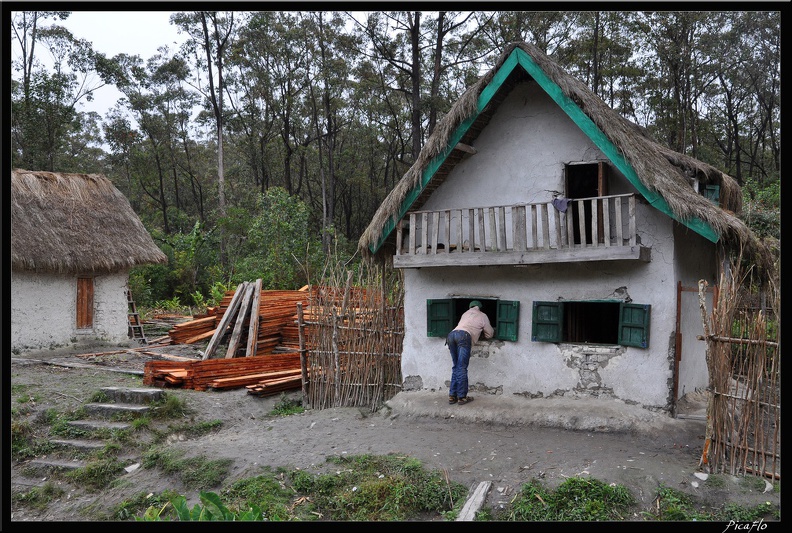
[(591, 322), (711, 193), (443, 315)]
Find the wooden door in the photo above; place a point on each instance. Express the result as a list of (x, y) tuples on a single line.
[(85, 302), (587, 180)]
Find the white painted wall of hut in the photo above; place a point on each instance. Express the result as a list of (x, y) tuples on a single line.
[(43, 310)]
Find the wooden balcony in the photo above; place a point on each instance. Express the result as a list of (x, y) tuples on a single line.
[(580, 229)]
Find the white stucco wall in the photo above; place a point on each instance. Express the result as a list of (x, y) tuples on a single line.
[(43, 310), (521, 157)]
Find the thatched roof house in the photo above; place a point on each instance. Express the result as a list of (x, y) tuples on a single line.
[(662, 176), (583, 240), (74, 238), (75, 223)]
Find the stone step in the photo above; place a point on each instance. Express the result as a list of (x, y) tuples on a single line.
[(98, 424), (79, 444), (108, 410), (45, 466), (137, 396)]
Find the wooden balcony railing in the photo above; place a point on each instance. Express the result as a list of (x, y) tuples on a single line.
[(598, 228)]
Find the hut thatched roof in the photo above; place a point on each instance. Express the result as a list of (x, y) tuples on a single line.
[(74, 223), (663, 177)]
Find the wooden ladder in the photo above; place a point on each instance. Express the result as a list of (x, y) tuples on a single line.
[(135, 326)]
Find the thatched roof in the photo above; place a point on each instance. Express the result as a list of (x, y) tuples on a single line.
[(75, 223), (660, 174)]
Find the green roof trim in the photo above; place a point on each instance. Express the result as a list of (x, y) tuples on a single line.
[(520, 57)]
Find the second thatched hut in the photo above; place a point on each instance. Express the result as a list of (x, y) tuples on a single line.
[(74, 238)]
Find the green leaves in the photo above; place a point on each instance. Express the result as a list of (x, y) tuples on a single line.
[(211, 510)]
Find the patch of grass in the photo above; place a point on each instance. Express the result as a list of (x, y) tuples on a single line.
[(673, 505), (286, 407), (370, 488), (137, 505), (24, 444), (196, 430), (39, 497), (753, 483), (716, 481), (739, 513), (140, 423), (269, 493), (576, 499), (22, 396), (98, 474), (379, 488), (170, 407), (197, 472), (99, 396)]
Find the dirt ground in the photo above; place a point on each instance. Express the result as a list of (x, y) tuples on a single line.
[(469, 449)]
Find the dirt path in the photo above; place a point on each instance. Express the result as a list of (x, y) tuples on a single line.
[(469, 449)]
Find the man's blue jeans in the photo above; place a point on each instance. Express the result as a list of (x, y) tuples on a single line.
[(459, 345)]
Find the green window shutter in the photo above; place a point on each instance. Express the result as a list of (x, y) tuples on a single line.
[(508, 314), (712, 192), (439, 317), (546, 321), (634, 324)]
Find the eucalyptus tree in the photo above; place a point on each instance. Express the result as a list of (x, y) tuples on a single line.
[(271, 64), (422, 57), (549, 30), (457, 47), (58, 72), (394, 38), (600, 55), (157, 149), (676, 73), (742, 107), (329, 70), (211, 35), (252, 122)]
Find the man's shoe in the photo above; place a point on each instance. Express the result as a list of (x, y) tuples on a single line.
[(452, 399), (466, 399)]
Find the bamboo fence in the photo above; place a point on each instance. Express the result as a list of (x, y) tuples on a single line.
[(744, 407), (351, 339)]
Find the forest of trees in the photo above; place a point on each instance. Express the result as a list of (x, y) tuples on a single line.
[(266, 142)]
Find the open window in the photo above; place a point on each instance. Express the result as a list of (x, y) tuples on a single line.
[(586, 180), (591, 322), (443, 315)]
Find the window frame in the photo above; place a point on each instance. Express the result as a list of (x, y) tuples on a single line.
[(547, 322), (442, 315)]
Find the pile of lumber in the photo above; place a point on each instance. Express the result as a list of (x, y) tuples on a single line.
[(263, 374), (252, 319), (242, 315)]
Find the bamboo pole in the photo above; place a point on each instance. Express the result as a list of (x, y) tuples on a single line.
[(303, 361), (704, 460)]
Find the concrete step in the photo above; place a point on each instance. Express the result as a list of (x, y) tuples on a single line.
[(98, 424), (109, 410), (136, 396), (79, 444)]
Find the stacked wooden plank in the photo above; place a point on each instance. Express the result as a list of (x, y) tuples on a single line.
[(193, 331), (222, 373), (276, 385)]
